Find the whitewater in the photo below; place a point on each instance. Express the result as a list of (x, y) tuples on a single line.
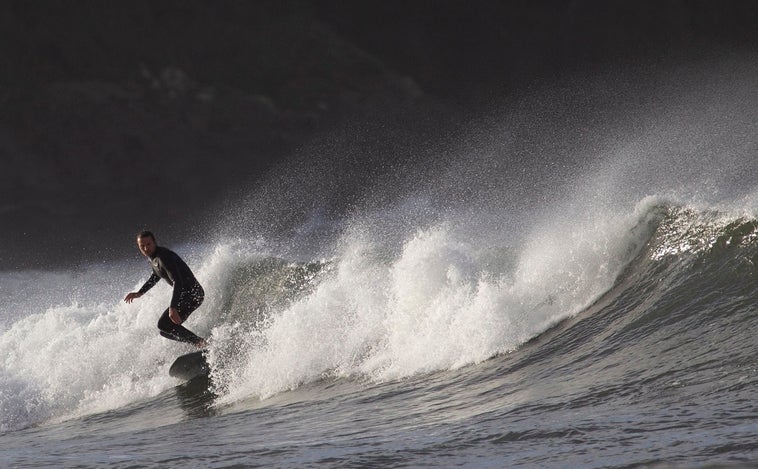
[(572, 284)]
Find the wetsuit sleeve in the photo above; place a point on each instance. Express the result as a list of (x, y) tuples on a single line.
[(149, 284)]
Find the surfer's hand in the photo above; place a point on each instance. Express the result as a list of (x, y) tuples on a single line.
[(173, 314), (132, 296)]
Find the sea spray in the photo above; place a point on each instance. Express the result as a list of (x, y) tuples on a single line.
[(431, 305)]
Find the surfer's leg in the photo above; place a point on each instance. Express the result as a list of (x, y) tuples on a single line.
[(188, 302), (177, 332)]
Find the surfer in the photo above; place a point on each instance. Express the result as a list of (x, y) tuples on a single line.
[(188, 294)]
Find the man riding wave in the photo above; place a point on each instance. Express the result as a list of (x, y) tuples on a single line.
[(188, 295)]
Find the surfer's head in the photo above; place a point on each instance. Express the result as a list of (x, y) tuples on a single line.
[(146, 243)]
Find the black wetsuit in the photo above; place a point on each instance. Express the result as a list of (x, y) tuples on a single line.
[(188, 294)]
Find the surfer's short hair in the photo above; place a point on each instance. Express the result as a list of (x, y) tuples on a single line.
[(146, 234)]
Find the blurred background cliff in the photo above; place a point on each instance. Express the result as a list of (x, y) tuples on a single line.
[(116, 116)]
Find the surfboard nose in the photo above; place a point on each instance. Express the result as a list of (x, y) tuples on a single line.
[(190, 366)]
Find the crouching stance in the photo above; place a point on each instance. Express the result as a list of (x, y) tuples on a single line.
[(188, 294)]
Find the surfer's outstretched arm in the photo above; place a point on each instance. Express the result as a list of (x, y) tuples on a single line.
[(147, 286), (132, 296)]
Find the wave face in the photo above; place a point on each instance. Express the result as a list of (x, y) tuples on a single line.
[(437, 301), (541, 300)]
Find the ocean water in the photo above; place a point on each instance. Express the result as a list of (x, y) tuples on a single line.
[(552, 293)]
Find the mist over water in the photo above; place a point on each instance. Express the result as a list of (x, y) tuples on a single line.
[(559, 152), (499, 235)]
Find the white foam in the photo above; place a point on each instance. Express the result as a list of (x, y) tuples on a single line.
[(434, 305), (78, 355)]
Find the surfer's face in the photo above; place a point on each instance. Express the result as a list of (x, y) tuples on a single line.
[(146, 245)]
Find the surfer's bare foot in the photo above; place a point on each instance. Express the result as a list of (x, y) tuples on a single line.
[(201, 344)]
